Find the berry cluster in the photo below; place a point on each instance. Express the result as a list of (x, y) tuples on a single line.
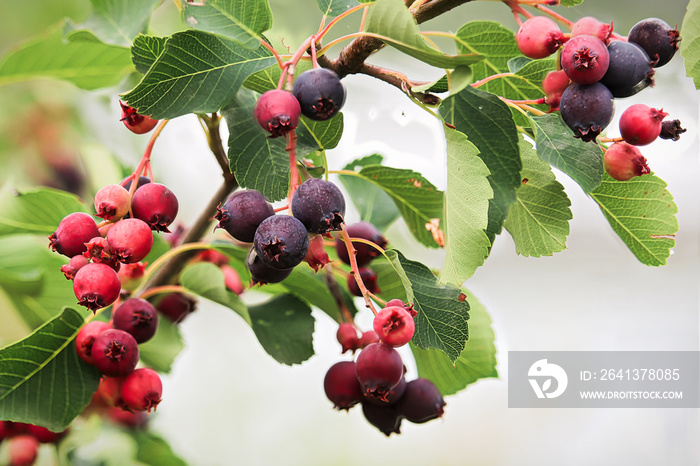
[(598, 66), (376, 379), (24, 440)]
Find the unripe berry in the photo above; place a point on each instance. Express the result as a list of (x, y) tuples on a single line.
[(23, 450), (394, 325), (624, 161), (341, 385), (100, 252), (142, 390), (74, 264), (589, 25), (347, 337), (232, 280), (72, 233), (277, 112), (130, 239), (86, 338), (539, 37), (110, 391), (316, 255), (553, 85), (135, 122), (127, 419), (640, 124), (368, 337), (130, 275), (156, 205), (44, 435), (115, 353), (585, 59), (96, 286), (112, 202)]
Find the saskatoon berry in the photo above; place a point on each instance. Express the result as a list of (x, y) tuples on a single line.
[(99, 251), (156, 205), (657, 38), (115, 353), (142, 181), (86, 337), (136, 123), (232, 280), (212, 255), (587, 109), (394, 325), (379, 369), (281, 241), (72, 233), (539, 37), (128, 419), (408, 306), (365, 252), (320, 93), (369, 278), (262, 273), (585, 59), (242, 213), (553, 85), (316, 256), (347, 337), (44, 435), (131, 274), (421, 401), (341, 385), (671, 129), (277, 111), (640, 124), (629, 71), (23, 450), (589, 25), (319, 205), (73, 265), (383, 416), (624, 161), (110, 391), (112, 202), (96, 286), (131, 240), (137, 317), (392, 397), (368, 337), (142, 390), (176, 306)]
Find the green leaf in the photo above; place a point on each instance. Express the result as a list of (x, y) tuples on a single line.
[(390, 21), (152, 449), (441, 321), (160, 352), (259, 162), (492, 41), (419, 202), (333, 8), (319, 135), (117, 22), (372, 202), (466, 209), (268, 78), (22, 268), (477, 361), (284, 327), (42, 379), (243, 22), (146, 50), (642, 212), (38, 211), (438, 86), (495, 136), (690, 45), (571, 2), (539, 220), (207, 280), (556, 145), (86, 64), (198, 72)]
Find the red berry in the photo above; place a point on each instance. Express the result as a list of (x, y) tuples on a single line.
[(277, 112), (72, 233), (553, 85), (44, 435), (74, 264), (585, 59), (539, 37), (96, 286), (408, 306), (156, 205), (341, 385), (212, 255), (589, 25), (624, 161), (135, 122), (368, 337), (369, 278), (421, 401), (112, 202), (131, 274), (110, 391), (137, 317), (394, 325), (99, 251), (131, 240), (86, 338), (128, 419), (176, 306), (23, 450), (640, 124), (379, 368), (365, 252), (115, 353), (347, 337), (232, 280), (142, 390)]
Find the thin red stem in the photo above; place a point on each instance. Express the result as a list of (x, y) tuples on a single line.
[(554, 15), (354, 269), (491, 78), (293, 171), (274, 52)]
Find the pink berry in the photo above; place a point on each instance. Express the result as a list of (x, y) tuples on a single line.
[(115, 353), (553, 85), (539, 37), (74, 264), (590, 26), (341, 385), (135, 122), (368, 337), (128, 419), (72, 233), (641, 124), (585, 59), (347, 337), (112, 202), (110, 391), (215, 257), (394, 325), (624, 161), (131, 240), (156, 205), (232, 280), (131, 274), (137, 317), (86, 338), (142, 390), (96, 286), (99, 251), (379, 368), (23, 450), (277, 112)]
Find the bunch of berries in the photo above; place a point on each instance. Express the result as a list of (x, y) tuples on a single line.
[(24, 440)]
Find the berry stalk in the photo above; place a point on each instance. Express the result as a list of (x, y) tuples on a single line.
[(355, 270)]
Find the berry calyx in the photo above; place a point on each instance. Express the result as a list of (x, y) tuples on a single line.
[(539, 37), (585, 59), (138, 317), (96, 286), (86, 338), (320, 93), (640, 124), (657, 38), (392, 397), (394, 325), (671, 129), (156, 205), (421, 401), (316, 255), (624, 161), (135, 122), (130, 239), (242, 213), (112, 202), (115, 353), (347, 337), (142, 390), (72, 233), (341, 385), (319, 205), (277, 112), (379, 368), (281, 241), (364, 252)]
